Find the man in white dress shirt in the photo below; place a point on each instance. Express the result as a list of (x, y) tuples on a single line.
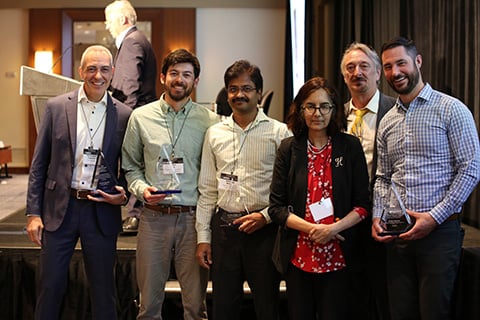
[(234, 234)]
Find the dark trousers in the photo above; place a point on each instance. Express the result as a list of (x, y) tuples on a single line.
[(368, 277), (323, 296), (421, 274), (237, 257), (378, 308), (99, 253)]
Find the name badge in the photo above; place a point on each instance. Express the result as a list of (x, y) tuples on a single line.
[(174, 165), (90, 160), (321, 209), (228, 182), (90, 156)]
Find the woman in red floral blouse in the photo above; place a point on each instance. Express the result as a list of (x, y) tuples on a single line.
[(319, 197)]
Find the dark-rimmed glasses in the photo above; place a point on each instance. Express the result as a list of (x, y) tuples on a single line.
[(245, 89), (324, 108)]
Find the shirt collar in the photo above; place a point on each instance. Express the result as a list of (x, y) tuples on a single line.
[(261, 116), (167, 108), (121, 36), (372, 105), (424, 94), (82, 97)]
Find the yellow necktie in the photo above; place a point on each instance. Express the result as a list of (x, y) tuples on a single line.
[(356, 129)]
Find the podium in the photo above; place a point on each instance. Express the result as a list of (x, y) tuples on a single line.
[(41, 86), (5, 158)]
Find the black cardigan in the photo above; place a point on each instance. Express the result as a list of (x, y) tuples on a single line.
[(289, 189)]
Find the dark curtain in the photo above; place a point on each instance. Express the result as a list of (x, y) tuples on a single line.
[(18, 269), (368, 21)]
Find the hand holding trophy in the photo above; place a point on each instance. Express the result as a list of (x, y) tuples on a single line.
[(394, 219), (167, 171), (103, 177)]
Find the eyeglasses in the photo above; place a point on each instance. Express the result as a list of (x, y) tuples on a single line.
[(324, 108), (364, 67), (245, 89)]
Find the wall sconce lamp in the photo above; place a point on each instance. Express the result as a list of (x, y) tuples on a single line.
[(44, 61)]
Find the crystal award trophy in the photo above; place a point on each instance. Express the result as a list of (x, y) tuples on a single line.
[(167, 174), (394, 219), (104, 179)]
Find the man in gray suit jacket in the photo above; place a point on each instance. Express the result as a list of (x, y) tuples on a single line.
[(80, 132), (361, 69), (135, 74)]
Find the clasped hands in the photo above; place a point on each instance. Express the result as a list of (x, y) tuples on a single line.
[(323, 233)]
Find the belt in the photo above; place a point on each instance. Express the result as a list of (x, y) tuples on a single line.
[(169, 209), (455, 216), (240, 213), (80, 194)]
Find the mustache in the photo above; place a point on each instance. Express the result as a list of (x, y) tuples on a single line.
[(179, 84), (358, 78), (244, 99), (399, 76)]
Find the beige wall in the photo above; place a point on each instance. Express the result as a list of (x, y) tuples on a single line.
[(226, 35), (13, 107)]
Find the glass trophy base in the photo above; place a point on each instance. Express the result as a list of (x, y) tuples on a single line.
[(167, 191), (394, 222), (394, 228)]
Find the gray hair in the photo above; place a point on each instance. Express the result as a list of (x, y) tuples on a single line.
[(124, 8), (369, 51), (95, 48)]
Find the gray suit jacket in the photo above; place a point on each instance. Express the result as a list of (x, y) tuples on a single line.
[(135, 75), (385, 103), (52, 166)]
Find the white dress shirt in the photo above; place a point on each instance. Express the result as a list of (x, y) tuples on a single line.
[(369, 126), (91, 118)]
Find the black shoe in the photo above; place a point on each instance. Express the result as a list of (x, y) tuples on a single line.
[(130, 225)]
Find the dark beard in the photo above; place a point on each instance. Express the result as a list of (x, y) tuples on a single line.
[(179, 97), (413, 79)]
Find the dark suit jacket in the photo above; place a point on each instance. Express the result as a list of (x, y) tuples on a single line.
[(135, 75), (289, 189), (385, 103), (52, 166)]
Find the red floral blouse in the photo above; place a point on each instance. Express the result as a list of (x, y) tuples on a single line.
[(310, 256)]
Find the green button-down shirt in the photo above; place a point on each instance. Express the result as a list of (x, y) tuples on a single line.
[(154, 125)]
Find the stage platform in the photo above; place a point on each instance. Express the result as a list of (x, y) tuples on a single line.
[(19, 256), (18, 266)]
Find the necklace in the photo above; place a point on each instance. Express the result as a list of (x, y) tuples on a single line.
[(313, 149)]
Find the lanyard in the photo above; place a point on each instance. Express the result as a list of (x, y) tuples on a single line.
[(235, 160), (87, 124), (174, 143)]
